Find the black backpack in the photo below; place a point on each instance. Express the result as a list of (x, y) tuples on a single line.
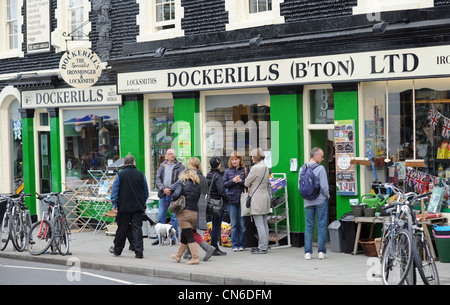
[(308, 184)]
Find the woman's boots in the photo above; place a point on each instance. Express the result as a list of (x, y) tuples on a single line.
[(194, 253)]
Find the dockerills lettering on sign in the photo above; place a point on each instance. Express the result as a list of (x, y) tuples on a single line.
[(80, 68), (351, 67), (95, 96)]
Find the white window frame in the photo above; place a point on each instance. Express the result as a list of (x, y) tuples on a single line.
[(146, 20), (62, 15), (5, 51), (377, 6), (239, 16)]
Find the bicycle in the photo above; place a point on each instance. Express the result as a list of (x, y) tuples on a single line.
[(53, 230), (16, 222), (419, 252)]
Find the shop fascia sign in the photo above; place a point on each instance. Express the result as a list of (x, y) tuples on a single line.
[(354, 67), (71, 97), (80, 67)]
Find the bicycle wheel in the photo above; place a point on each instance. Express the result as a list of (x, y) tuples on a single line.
[(40, 237), (61, 236), (424, 262), (4, 232), (18, 232), (396, 258)]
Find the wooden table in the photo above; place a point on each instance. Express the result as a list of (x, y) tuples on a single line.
[(360, 221)]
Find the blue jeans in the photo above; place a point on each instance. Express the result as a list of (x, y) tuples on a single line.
[(163, 206), (216, 229), (237, 226), (321, 210)]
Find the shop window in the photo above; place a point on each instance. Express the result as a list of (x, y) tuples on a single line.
[(406, 120), (91, 140), (15, 134), (238, 122), (322, 106), (161, 134)]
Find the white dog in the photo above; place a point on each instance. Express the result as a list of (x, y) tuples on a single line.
[(164, 231)]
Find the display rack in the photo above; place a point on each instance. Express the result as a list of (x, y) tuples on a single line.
[(278, 219)]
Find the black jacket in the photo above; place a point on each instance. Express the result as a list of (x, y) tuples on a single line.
[(218, 189), (191, 192), (130, 191)]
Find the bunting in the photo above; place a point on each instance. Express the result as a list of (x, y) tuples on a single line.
[(421, 181), (433, 119)]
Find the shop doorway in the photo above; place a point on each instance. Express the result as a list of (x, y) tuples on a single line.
[(44, 162), (324, 140)]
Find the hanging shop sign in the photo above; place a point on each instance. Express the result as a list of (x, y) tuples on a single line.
[(377, 65), (344, 145), (80, 67), (71, 97), (38, 26)]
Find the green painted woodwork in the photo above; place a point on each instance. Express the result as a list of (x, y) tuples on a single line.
[(286, 116), (132, 133), (55, 155), (29, 164), (346, 108), (187, 127)]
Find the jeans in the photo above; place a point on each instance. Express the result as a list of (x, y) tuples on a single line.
[(216, 229), (263, 231), (237, 226), (164, 203), (321, 210)]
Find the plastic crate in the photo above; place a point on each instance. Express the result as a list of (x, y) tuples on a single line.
[(443, 247)]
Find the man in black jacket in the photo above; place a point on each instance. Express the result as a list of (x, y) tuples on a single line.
[(129, 196)]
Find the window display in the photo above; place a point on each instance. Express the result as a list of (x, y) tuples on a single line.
[(15, 135), (238, 122), (91, 140)]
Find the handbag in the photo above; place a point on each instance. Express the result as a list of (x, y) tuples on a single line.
[(178, 205), (214, 207)]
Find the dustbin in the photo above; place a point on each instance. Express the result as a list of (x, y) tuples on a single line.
[(335, 233), (348, 228)]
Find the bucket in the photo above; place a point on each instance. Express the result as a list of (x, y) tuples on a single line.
[(358, 210), (370, 212)]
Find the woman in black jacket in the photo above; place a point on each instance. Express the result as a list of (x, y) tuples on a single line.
[(190, 188), (217, 191)]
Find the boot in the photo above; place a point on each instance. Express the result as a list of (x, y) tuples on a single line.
[(180, 251), (208, 249), (194, 252)]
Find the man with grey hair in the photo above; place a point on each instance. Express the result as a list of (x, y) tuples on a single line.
[(317, 206), (129, 196)]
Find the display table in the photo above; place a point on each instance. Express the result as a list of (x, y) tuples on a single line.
[(360, 221)]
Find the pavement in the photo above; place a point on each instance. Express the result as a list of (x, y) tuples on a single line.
[(280, 266)]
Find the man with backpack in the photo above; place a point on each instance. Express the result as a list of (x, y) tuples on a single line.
[(313, 187)]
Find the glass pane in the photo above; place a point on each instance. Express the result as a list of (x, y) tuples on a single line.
[(322, 106), (161, 134), (15, 134), (91, 140), (237, 122)]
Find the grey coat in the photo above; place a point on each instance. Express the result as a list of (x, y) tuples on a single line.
[(260, 204), (201, 223)]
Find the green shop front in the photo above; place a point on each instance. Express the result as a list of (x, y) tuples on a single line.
[(287, 106)]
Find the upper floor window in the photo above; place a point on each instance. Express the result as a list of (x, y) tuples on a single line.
[(253, 13), (159, 19), (376, 6), (11, 21), (257, 6), (12, 24), (76, 18)]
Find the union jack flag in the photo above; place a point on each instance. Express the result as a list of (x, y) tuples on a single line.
[(421, 182), (409, 178), (433, 116), (446, 128)]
